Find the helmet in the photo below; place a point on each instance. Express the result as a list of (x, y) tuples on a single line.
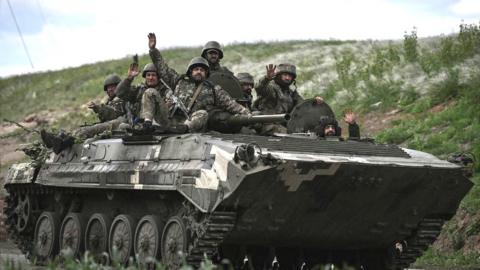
[(111, 79), (212, 45), (148, 68), (287, 68), (197, 61), (325, 121), (245, 78)]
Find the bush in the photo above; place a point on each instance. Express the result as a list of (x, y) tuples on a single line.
[(447, 89), (410, 45)]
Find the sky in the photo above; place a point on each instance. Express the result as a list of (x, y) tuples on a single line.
[(67, 33)]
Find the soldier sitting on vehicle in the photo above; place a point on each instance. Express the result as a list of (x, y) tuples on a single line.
[(328, 127), (114, 106), (111, 114), (191, 88), (213, 53), (247, 83), (275, 94), (134, 94)]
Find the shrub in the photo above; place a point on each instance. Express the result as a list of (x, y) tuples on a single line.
[(410, 45)]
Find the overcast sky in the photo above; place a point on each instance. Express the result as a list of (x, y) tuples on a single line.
[(65, 33)]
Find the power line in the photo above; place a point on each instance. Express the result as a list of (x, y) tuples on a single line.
[(41, 12), (20, 33)]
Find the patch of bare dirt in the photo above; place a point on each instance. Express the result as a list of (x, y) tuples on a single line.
[(374, 122), (443, 106), (8, 149)]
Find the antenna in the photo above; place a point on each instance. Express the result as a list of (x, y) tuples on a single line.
[(20, 33)]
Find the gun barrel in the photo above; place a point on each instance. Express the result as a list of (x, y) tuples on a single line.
[(253, 119)]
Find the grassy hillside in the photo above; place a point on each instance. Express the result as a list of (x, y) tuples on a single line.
[(419, 93)]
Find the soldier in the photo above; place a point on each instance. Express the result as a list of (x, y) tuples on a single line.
[(328, 126), (213, 53), (114, 106), (193, 89), (111, 115), (246, 81), (275, 94), (151, 88)]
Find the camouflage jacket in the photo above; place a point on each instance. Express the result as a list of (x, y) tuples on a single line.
[(111, 109), (210, 97), (273, 98), (133, 94)]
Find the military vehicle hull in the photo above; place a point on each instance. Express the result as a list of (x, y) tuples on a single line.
[(289, 199)]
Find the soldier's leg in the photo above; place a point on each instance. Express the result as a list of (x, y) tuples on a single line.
[(154, 107), (97, 129), (198, 121)]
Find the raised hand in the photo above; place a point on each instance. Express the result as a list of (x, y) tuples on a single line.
[(152, 40), (349, 117), (92, 106), (133, 71), (270, 71)]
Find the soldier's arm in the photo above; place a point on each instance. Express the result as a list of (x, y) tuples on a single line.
[(111, 111), (263, 88), (226, 102), (169, 75), (126, 91), (353, 130)]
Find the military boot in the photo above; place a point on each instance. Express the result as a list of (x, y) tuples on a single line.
[(148, 127), (47, 138), (56, 142)]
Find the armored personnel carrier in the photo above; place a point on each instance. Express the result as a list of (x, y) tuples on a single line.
[(288, 201)]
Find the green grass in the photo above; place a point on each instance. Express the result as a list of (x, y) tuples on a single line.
[(453, 259)]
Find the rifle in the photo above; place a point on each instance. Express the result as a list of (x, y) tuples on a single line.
[(29, 130), (177, 103)]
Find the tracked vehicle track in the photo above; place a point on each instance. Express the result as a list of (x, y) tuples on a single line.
[(216, 229), (426, 233)]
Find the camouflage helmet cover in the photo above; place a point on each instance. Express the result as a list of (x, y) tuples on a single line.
[(287, 68), (245, 77), (111, 79), (212, 45), (197, 61), (148, 68)]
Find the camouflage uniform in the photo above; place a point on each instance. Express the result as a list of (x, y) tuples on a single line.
[(141, 99), (111, 109), (111, 114), (275, 97), (210, 97), (101, 129), (246, 78)]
